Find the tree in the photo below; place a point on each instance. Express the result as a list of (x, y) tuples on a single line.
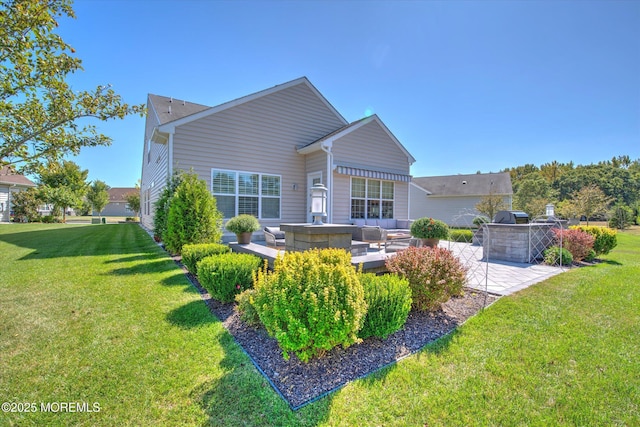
[(590, 201), (98, 195), (25, 204), (133, 199), (161, 206), (193, 215), (64, 185), (490, 205), (38, 108), (533, 195)]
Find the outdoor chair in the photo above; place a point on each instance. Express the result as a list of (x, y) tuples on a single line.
[(273, 237), (374, 235)]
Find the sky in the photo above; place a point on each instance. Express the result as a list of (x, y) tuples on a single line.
[(465, 86)]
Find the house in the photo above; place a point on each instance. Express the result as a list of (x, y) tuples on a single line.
[(260, 154), (118, 205), (10, 183), (453, 198)]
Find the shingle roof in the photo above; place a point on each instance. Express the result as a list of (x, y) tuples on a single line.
[(9, 176), (466, 185), (116, 194), (169, 109)]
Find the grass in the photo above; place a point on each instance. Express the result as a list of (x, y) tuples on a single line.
[(100, 314)]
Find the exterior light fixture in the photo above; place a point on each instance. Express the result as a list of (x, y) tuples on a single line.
[(550, 210), (318, 203)]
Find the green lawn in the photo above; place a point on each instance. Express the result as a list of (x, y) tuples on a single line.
[(100, 315)]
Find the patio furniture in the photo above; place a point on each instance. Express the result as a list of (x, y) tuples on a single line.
[(274, 237), (374, 235)]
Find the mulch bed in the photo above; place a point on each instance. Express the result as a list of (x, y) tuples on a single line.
[(301, 383)]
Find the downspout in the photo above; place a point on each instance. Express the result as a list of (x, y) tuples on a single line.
[(326, 147), (170, 154)]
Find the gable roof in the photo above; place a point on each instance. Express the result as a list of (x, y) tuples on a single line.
[(207, 111), (168, 109), (466, 185), (116, 194), (351, 127), (9, 176)]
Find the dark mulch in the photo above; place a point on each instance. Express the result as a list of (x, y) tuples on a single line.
[(300, 383)]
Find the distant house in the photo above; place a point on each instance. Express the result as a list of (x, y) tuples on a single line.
[(260, 155), (10, 183), (118, 205), (453, 198)]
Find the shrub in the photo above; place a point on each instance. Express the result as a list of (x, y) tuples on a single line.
[(578, 242), (194, 253), (621, 217), (388, 301), (460, 235), (193, 215), (161, 206), (25, 204), (590, 256), (243, 224), (434, 275), (479, 221), (311, 302), (246, 307), (605, 238), (429, 228), (553, 254), (226, 275)]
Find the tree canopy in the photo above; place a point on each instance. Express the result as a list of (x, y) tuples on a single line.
[(98, 195), (39, 110)]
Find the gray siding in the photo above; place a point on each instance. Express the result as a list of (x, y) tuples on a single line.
[(154, 170), (260, 136)]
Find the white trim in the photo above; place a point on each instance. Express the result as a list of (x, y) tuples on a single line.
[(213, 110), (170, 155), (259, 195)]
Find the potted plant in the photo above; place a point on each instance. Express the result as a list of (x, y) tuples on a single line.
[(243, 225), (430, 231)]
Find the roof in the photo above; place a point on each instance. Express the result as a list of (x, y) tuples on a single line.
[(466, 185), (168, 109), (339, 133), (116, 194), (9, 176), (173, 120)]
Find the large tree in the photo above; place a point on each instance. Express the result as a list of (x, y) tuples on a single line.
[(98, 195), (64, 185), (591, 201), (39, 110)]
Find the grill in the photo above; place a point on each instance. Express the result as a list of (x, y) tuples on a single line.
[(511, 217)]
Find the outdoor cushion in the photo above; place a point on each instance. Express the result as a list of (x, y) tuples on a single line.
[(387, 223), (276, 232)]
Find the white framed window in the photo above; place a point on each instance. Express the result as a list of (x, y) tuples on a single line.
[(252, 193), (371, 198)]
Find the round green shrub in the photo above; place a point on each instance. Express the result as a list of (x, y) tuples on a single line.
[(434, 275), (194, 253), (590, 256), (243, 223), (554, 254), (311, 302), (226, 275), (429, 228), (388, 300), (479, 221)]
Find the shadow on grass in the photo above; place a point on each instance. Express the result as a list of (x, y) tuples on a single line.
[(190, 316), (243, 396)]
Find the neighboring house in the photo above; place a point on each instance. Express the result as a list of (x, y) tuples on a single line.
[(261, 153), (453, 198), (10, 183), (118, 205)]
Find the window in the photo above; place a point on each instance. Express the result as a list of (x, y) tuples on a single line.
[(246, 193), (371, 198)]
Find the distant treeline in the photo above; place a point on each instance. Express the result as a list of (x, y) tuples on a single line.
[(560, 183)]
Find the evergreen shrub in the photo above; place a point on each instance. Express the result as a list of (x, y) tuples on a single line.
[(312, 302), (246, 307), (554, 254), (434, 275), (226, 275), (578, 242), (193, 253), (460, 235), (388, 300)]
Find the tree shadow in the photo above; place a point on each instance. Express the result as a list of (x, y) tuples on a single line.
[(190, 316)]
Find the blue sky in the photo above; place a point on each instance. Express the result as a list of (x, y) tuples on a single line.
[(466, 86)]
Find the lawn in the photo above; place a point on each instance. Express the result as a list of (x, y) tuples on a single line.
[(100, 316)]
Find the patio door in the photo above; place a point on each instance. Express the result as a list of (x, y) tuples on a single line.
[(312, 179)]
